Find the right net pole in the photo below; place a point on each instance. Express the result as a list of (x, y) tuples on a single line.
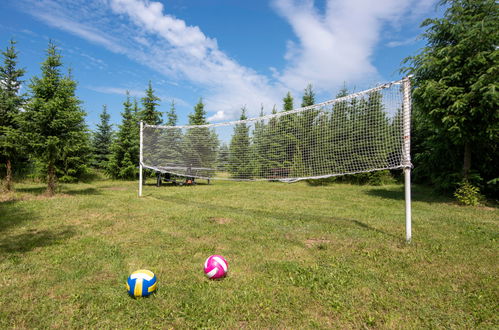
[(407, 156)]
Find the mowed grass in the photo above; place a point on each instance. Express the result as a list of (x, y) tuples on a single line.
[(299, 257)]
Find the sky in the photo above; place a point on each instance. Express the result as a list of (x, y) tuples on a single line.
[(230, 53)]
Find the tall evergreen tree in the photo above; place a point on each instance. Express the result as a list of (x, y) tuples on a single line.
[(55, 124), (223, 157), (102, 140), (200, 144), (275, 153), (240, 150), (308, 98), (306, 133), (171, 116), (199, 115), (124, 158), (339, 142), (288, 134), (260, 148), (170, 143), (136, 112), (455, 93), (10, 103), (149, 114), (288, 102), (375, 130)]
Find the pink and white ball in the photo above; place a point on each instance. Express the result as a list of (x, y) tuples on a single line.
[(215, 267)]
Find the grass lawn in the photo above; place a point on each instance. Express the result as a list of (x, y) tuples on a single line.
[(299, 257)]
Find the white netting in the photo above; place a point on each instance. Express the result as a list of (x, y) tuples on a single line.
[(361, 132)]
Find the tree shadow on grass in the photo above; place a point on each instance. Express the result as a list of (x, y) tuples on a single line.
[(282, 215), (418, 193), (66, 189), (32, 190), (12, 214), (34, 238), (86, 191), (15, 214)]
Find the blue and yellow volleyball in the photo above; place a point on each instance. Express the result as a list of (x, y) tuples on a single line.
[(141, 283)]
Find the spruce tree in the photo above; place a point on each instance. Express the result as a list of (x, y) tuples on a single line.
[(199, 115), (54, 123), (149, 114), (307, 136), (372, 128), (275, 153), (223, 157), (287, 127), (308, 96), (239, 150), (200, 144), (124, 158), (338, 154), (455, 94), (260, 148), (10, 103), (288, 102), (171, 116), (170, 142), (102, 140)]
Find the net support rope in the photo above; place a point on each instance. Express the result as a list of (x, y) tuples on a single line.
[(358, 133)]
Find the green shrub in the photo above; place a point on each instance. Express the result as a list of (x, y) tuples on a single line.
[(467, 194)]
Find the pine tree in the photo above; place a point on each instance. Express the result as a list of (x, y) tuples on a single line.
[(455, 93), (223, 157), (306, 133), (372, 132), (125, 148), (10, 103), (170, 142), (171, 116), (288, 102), (149, 114), (239, 150), (338, 142), (298, 168), (275, 155), (55, 124), (199, 115), (102, 140), (200, 144), (288, 135), (260, 148)]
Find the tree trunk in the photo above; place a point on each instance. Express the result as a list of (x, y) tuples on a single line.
[(467, 161), (51, 180), (8, 176)]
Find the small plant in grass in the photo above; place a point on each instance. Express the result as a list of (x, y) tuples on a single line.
[(467, 194)]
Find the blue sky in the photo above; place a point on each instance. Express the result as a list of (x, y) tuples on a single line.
[(232, 53)]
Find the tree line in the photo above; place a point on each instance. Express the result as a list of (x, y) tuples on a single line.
[(455, 130)]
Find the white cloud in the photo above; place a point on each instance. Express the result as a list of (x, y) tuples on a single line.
[(76, 17), (331, 47), (116, 90), (405, 42), (135, 93), (190, 54), (337, 45)]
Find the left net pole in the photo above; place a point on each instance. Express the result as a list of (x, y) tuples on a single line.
[(140, 158)]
